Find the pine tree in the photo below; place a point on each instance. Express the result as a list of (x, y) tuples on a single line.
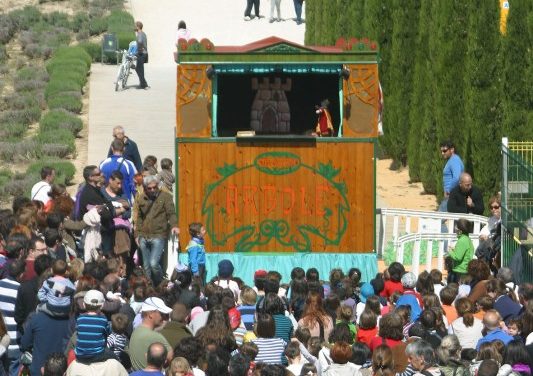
[(405, 21), (516, 101), (482, 78), (418, 128), (329, 19)]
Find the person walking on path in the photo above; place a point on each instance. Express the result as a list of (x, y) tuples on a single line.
[(248, 11), (131, 151), (298, 5), (142, 54)]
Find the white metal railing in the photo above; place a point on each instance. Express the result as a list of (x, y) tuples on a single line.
[(417, 238), (429, 226)]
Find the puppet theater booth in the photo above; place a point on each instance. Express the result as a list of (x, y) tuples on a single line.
[(271, 194)]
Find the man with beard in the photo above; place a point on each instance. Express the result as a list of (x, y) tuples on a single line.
[(155, 213)]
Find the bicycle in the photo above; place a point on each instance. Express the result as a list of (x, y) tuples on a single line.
[(127, 64)]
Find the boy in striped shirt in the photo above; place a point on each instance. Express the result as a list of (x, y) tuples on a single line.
[(92, 328)]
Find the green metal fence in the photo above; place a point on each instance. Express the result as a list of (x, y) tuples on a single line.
[(517, 206)]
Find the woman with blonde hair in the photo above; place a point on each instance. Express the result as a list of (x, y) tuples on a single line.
[(449, 357), (179, 367)]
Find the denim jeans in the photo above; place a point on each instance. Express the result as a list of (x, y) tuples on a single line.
[(298, 10), (151, 250)]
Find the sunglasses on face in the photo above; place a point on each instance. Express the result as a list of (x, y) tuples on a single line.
[(444, 150), (495, 207)]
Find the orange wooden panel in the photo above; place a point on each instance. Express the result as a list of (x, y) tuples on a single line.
[(193, 101), (361, 101), (279, 198)]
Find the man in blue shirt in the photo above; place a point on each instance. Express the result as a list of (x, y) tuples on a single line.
[(117, 162), (452, 171), (491, 320)]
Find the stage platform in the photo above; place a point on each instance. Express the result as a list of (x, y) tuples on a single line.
[(247, 263)]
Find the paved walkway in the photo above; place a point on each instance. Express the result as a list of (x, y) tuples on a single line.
[(149, 117)]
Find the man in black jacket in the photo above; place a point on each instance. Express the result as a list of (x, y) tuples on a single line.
[(131, 151), (27, 295), (466, 198)]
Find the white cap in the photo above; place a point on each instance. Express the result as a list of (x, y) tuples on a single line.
[(155, 304), (94, 298)]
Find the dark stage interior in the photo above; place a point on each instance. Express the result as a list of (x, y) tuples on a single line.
[(237, 98)]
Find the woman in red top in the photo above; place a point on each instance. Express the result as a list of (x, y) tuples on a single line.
[(367, 327), (394, 282)]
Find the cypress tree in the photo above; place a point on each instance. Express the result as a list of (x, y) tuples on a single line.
[(482, 78), (405, 22), (378, 27), (344, 21), (310, 21), (355, 12), (419, 131), (448, 73), (431, 163), (516, 101), (329, 19)]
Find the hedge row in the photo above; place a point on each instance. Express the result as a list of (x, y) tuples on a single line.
[(122, 24)]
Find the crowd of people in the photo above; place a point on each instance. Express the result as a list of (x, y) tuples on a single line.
[(83, 292)]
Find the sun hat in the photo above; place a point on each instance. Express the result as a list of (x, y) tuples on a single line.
[(225, 269), (155, 304), (94, 298), (366, 291), (409, 280)]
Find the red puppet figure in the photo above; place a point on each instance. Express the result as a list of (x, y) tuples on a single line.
[(324, 127)]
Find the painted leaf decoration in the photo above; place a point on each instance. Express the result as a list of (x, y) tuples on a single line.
[(227, 169), (327, 170)]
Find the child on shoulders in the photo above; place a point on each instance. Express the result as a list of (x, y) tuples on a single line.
[(55, 295), (92, 329)]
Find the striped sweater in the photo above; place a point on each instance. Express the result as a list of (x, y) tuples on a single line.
[(270, 350), (92, 334), (8, 297)]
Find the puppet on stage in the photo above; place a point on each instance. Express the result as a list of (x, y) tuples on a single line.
[(324, 127)]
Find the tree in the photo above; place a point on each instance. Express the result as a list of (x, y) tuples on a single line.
[(405, 21), (344, 21), (378, 27), (482, 94), (516, 102), (420, 131), (356, 14), (311, 21)]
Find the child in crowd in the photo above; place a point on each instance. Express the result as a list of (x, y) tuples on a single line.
[(224, 278), (395, 272), (247, 308), (483, 304), (514, 328), (367, 327), (438, 284), (166, 175), (196, 251), (344, 315), (180, 367), (55, 295), (117, 340), (92, 328), (294, 357), (150, 165), (447, 297)]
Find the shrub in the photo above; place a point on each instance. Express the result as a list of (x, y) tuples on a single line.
[(65, 102), (7, 28), (93, 49), (34, 73), (60, 119), (18, 101), (73, 52), (67, 65), (25, 116), (20, 185), (29, 85), (59, 136), (55, 150), (5, 176), (18, 151), (55, 87), (80, 21), (97, 26), (77, 75), (64, 170), (12, 131), (59, 19), (26, 17), (3, 53)]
